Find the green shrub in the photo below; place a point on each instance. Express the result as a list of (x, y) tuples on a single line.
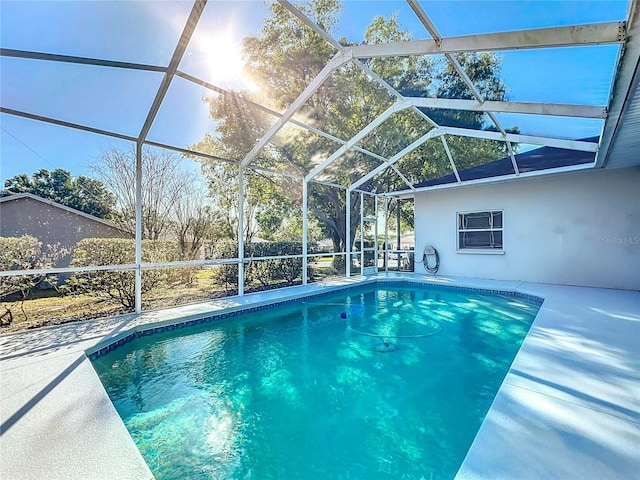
[(264, 272), (24, 253), (226, 274), (120, 285), (281, 269)]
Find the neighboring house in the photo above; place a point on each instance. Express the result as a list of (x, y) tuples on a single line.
[(51, 222)]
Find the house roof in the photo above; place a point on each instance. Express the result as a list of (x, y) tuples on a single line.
[(619, 144), (543, 158), (51, 203)]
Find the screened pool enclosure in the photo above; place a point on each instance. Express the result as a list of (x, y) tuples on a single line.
[(239, 146)]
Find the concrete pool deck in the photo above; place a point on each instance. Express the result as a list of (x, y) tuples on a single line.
[(568, 408)]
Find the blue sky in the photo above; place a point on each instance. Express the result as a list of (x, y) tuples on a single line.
[(146, 32)]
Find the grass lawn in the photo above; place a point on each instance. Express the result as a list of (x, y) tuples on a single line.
[(55, 309), (49, 307)]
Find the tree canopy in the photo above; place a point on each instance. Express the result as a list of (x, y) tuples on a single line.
[(82, 193), (285, 58), (174, 205)]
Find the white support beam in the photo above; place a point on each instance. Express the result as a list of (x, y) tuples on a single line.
[(574, 35), (329, 39), (465, 78), (176, 58), (251, 103), (56, 271), (347, 247), (85, 128), (406, 150), (386, 234), (500, 179), (396, 107), (366, 69), (138, 236), (188, 152), (496, 122), (99, 62), (312, 25), (337, 61), (402, 177), (361, 231), (425, 20), (527, 108), (394, 92), (517, 138), (258, 168), (450, 157), (62, 123), (305, 226), (431, 28), (512, 155), (329, 184), (241, 230), (376, 253)]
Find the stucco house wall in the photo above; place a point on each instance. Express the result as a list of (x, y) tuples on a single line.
[(51, 222), (580, 228)]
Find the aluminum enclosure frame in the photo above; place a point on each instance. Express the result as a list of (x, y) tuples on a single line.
[(552, 37)]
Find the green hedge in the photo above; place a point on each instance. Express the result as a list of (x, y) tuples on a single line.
[(264, 272), (120, 285)]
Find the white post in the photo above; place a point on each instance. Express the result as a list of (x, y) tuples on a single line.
[(386, 234), (348, 233), (375, 230), (241, 230), (398, 235), (361, 234), (305, 192), (138, 240)]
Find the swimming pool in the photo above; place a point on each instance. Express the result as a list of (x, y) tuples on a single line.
[(374, 382)]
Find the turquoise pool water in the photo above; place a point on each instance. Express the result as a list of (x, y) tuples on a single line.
[(376, 382)]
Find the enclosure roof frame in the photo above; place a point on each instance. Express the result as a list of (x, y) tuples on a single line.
[(623, 33)]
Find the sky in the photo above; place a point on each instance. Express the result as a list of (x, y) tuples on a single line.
[(147, 32)]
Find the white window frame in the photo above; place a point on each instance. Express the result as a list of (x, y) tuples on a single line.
[(480, 250)]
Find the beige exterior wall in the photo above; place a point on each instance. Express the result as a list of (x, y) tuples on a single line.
[(579, 228)]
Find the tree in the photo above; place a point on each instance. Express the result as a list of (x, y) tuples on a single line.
[(287, 56), (270, 202), (118, 285), (328, 208), (193, 222), (173, 202), (162, 184), (82, 193), (284, 60)]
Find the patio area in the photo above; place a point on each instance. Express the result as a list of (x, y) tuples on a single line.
[(568, 408)]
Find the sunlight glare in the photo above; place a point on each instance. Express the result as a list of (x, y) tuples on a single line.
[(224, 62)]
